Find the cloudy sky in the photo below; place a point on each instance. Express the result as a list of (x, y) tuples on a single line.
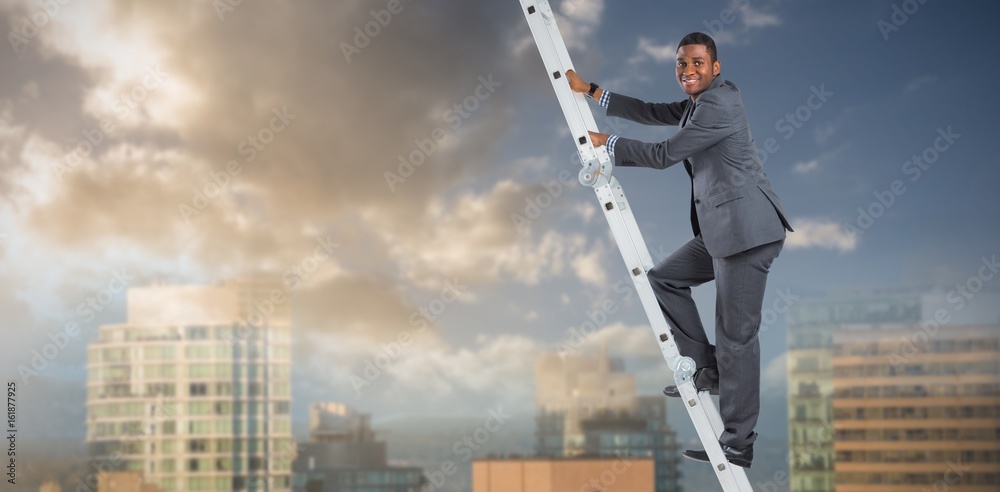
[(190, 141)]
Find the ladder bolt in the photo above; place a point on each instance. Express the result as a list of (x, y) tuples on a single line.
[(583, 140), (556, 74), (636, 271), (664, 337), (722, 467), (692, 402), (531, 9), (609, 206)]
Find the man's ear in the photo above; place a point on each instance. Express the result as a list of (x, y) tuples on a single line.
[(717, 67)]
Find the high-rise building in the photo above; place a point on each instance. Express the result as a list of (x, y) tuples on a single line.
[(193, 390), (587, 406), (50, 486), (643, 432), (917, 409), (813, 325), (343, 455), (572, 387), (566, 474), (124, 481)]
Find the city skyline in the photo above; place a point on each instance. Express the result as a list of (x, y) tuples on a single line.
[(403, 171)]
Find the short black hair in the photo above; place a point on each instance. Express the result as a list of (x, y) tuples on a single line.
[(700, 38)]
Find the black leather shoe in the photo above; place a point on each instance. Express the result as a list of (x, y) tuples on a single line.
[(705, 379), (739, 457)]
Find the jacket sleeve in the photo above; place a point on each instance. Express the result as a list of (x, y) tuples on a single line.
[(710, 122), (646, 113)]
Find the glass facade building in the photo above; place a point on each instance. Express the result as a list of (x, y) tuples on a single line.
[(872, 372), (343, 455), (643, 433), (194, 389), (587, 406)]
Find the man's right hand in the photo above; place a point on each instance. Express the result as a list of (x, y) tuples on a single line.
[(576, 84)]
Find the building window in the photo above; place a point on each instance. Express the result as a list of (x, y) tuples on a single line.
[(198, 389), (197, 333)]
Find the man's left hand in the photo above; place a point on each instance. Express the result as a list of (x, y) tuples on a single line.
[(599, 139)]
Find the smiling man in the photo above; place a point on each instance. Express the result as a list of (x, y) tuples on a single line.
[(738, 223)]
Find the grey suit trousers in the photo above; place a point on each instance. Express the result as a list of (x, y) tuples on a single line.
[(740, 280)]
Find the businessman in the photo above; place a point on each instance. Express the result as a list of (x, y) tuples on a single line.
[(739, 229)]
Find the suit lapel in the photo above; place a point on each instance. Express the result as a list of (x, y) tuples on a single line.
[(687, 113)]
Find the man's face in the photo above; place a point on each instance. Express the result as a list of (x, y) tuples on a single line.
[(695, 68)]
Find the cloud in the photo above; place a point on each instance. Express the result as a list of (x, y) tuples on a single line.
[(578, 20), (322, 175), (820, 233), (805, 167), (748, 20), (474, 238), (918, 82), (756, 19), (434, 376), (429, 374), (647, 49), (811, 166)]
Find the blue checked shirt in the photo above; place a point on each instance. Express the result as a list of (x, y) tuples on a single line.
[(605, 99)]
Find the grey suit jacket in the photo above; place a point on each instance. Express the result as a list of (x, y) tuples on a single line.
[(732, 204)]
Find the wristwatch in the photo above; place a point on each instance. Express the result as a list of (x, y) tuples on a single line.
[(593, 88)]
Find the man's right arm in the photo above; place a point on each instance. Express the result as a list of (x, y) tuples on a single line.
[(646, 113), (631, 108)]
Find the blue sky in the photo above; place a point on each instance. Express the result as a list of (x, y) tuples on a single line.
[(521, 293)]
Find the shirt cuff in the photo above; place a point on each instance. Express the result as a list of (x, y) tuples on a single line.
[(611, 145), (604, 100)]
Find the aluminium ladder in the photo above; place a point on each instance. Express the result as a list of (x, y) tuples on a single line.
[(597, 173)]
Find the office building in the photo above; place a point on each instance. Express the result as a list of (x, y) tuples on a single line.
[(193, 390), (566, 474), (643, 432), (343, 455), (570, 388), (917, 409), (124, 482), (587, 406), (814, 324)]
